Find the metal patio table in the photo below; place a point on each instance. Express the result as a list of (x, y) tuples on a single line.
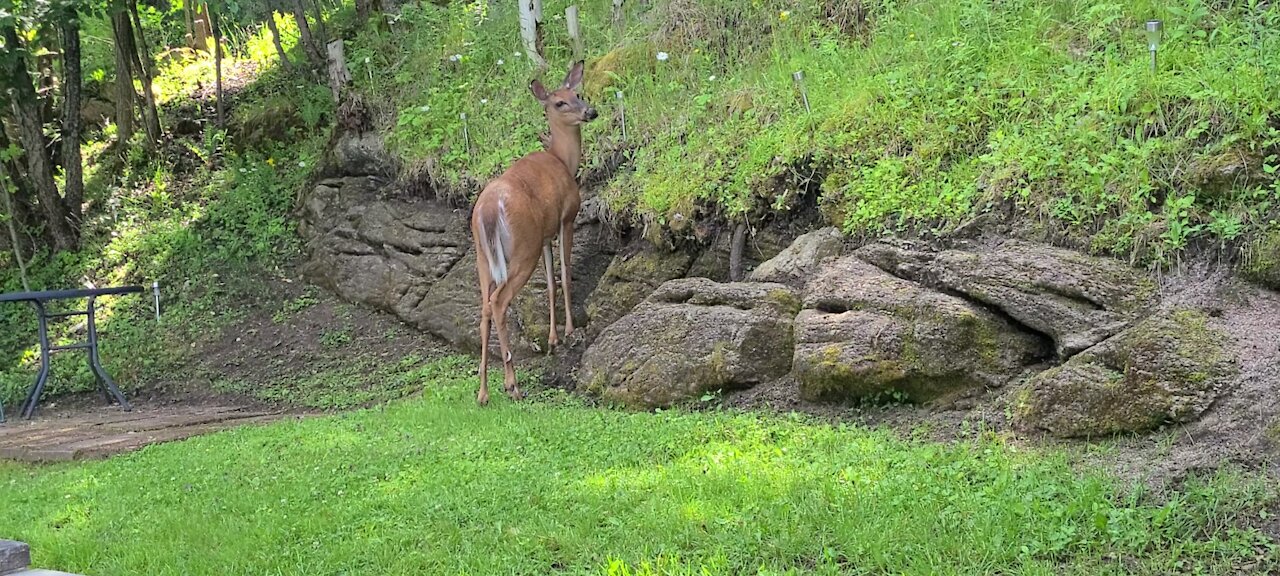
[(39, 299)]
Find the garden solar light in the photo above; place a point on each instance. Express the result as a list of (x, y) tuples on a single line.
[(1154, 30), (155, 290), (798, 76), (622, 111)]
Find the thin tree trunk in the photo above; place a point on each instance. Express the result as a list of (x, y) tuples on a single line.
[(73, 170), (575, 33), (26, 113), (142, 58), (202, 25), (322, 32), (314, 56), (216, 21), (124, 78), (275, 39), (530, 30), (189, 18), (16, 245)]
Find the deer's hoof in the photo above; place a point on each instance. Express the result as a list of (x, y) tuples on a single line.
[(482, 398), (516, 394)]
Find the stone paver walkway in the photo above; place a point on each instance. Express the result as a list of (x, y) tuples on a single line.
[(110, 430)]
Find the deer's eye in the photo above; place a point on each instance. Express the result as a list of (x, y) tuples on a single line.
[(561, 105)]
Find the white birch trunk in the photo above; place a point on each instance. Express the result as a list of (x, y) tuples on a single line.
[(530, 18), (575, 33)]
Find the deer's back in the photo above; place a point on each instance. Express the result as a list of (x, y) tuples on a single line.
[(538, 186)]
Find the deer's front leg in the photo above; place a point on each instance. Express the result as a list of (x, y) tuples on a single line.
[(552, 339), (566, 249)]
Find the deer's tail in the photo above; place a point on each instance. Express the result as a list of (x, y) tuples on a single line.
[(495, 241)]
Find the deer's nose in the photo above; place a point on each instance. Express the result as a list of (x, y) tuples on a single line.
[(591, 114)]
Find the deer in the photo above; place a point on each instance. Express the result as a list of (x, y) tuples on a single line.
[(519, 213)]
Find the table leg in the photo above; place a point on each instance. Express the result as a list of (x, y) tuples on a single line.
[(29, 405), (96, 363)]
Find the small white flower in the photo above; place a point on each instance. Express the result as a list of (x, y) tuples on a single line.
[(500, 62), (711, 78), (302, 164), (366, 59), (242, 170), (484, 100), (662, 56), (679, 217), (455, 58), (424, 108), (516, 54)]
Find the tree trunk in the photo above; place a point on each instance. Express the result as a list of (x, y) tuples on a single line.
[(26, 113), (25, 207), (124, 78), (314, 57), (575, 33), (15, 244), (215, 21), (203, 29), (142, 59), (735, 252), (339, 75), (530, 30), (322, 33), (73, 169), (188, 16), (275, 39)]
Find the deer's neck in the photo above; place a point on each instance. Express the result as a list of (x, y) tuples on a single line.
[(566, 144)]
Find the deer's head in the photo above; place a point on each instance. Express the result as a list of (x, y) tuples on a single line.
[(563, 106)]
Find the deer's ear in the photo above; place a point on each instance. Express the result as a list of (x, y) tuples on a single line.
[(539, 91), (574, 78)]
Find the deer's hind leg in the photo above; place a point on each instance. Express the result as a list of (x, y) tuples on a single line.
[(501, 300), (486, 312)]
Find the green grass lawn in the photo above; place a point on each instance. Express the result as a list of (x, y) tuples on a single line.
[(436, 485)]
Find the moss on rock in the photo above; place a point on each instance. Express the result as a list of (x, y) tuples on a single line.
[(1166, 369)]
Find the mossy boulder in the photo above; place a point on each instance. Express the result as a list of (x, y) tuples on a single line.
[(630, 278), (1075, 299), (1166, 369), (864, 333), (1263, 266), (256, 127), (693, 336), (801, 258)]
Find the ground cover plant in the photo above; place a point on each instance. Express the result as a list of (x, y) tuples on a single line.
[(438, 485)]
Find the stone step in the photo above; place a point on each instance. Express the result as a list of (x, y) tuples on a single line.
[(14, 556), (15, 560)]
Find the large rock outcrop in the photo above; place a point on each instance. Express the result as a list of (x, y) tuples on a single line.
[(864, 332), (412, 258), (1076, 300), (1168, 368), (692, 336)]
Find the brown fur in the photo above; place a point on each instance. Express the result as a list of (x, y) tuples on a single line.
[(518, 215)]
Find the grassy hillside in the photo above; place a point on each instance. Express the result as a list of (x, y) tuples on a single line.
[(924, 113)]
